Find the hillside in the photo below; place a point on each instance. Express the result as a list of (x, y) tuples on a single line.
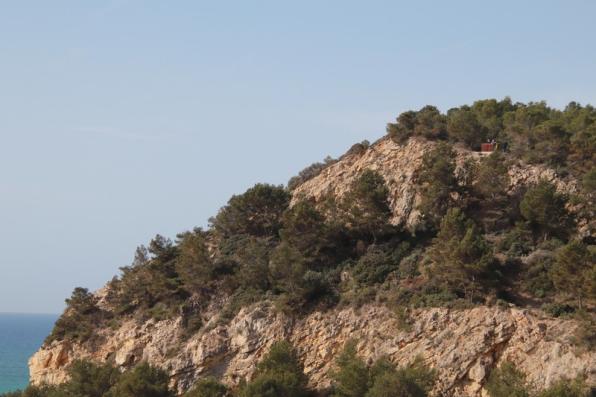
[(417, 245)]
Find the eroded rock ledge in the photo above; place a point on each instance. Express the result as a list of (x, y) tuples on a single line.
[(462, 345)]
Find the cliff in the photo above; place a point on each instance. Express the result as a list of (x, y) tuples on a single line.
[(463, 345), (400, 165)]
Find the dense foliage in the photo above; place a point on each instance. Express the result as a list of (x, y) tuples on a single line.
[(280, 373), (353, 378), (563, 139), (102, 380), (508, 381)]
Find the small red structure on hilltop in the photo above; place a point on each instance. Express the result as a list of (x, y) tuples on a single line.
[(487, 147)]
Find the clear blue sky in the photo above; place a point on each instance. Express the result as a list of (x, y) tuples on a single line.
[(122, 119)]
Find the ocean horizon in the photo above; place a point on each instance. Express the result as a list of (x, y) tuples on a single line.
[(21, 334)]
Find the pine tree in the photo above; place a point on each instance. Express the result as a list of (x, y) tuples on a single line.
[(438, 182), (574, 271), (280, 373), (351, 379), (367, 206), (461, 255), (545, 209)]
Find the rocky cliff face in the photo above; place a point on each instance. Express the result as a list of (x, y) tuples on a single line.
[(462, 345), (399, 165)]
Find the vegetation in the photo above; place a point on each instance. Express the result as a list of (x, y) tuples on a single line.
[(544, 209), (257, 212), (481, 241), (461, 255), (438, 184), (563, 139), (574, 271), (508, 381), (280, 373), (258, 247), (353, 378), (102, 380), (367, 206), (207, 387), (309, 172)]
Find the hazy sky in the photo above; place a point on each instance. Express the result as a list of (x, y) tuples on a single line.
[(122, 119)]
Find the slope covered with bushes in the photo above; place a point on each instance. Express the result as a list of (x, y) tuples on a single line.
[(478, 243)]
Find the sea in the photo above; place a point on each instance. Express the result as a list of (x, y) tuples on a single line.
[(20, 336)]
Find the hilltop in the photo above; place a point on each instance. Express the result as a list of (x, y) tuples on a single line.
[(417, 245)]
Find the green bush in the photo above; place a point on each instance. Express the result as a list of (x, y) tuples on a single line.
[(87, 379), (193, 264), (207, 387), (534, 132), (463, 126), (143, 380), (437, 184), (80, 319), (351, 378), (309, 172), (507, 381), (280, 373), (91, 380), (558, 309), (367, 206), (256, 212), (567, 388), (461, 255), (574, 271), (544, 209)]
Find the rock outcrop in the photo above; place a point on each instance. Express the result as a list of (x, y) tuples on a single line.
[(462, 345), (400, 165)]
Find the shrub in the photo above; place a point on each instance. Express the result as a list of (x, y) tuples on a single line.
[(256, 212), (207, 387), (589, 181), (438, 182), (379, 260), (280, 373), (91, 380), (463, 126), (304, 228), (309, 173), (574, 271), (545, 209), (413, 380), (492, 179), (79, 319), (558, 309), (567, 388), (194, 265), (461, 255), (367, 206), (374, 266), (143, 380), (507, 381), (351, 379)]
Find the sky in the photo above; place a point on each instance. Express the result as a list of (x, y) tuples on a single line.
[(123, 119)]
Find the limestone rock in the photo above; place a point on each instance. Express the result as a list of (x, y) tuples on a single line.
[(462, 345)]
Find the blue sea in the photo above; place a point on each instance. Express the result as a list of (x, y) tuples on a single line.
[(20, 336)]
